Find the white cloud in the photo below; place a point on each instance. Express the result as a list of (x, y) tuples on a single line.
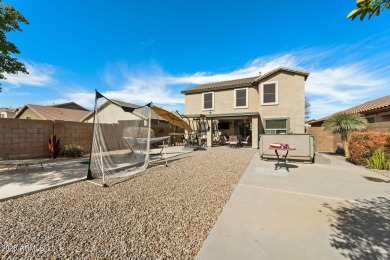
[(150, 83), (81, 96), (252, 69), (336, 88), (334, 83), (345, 84), (40, 75)]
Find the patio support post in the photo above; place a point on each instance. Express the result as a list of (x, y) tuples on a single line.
[(209, 132), (255, 132)]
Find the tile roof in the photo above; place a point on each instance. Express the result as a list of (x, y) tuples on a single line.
[(365, 108), (55, 113), (244, 82), (70, 105), (221, 85), (370, 105)]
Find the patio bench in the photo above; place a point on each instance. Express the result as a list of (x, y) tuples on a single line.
[(26, 163)]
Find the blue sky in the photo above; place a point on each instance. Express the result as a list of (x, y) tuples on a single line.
[(142, 51)]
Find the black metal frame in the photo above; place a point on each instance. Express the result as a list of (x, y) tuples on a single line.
[(282, 158)]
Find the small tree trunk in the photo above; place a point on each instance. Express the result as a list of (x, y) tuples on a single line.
[(346, 151)]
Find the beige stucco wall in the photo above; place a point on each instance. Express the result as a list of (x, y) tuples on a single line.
[(291, 103), (223, 102), (113, 113), (29, 113)]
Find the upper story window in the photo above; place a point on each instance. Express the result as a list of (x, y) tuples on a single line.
[(241, 98), (208, 101), (269, 93)]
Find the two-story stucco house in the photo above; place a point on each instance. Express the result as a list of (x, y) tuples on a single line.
[(272, 103)]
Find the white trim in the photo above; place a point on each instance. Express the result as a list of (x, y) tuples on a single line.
[(207, 109), (276, 93), (247, 101), (287, 129)]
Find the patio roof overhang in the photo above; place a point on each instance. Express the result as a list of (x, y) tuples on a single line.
[(225, 115)]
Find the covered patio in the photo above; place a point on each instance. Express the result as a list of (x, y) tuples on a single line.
[(211, 127)]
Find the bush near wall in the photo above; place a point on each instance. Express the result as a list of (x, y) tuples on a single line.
[(362, 146)]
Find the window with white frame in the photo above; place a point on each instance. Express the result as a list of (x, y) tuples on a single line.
[(269, 93), (241, 98), (276, 126), (208, 101)]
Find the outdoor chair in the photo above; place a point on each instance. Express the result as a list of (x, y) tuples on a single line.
[(246, 142), (234, 141), (223, 140)]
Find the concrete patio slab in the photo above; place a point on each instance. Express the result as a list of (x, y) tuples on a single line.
[(314, 211), (17, 182)]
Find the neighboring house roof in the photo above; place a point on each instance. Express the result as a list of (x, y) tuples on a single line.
[(244, 82), (121, 103), (54, 113), (370, 107), (9, 109), (383, 102), (70, 105)]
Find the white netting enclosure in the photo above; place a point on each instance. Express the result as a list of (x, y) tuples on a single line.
[(121, 138)]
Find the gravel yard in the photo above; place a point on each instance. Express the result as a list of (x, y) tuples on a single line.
[(164, 212)]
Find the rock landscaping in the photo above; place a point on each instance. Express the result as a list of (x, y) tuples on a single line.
[(164, 212)]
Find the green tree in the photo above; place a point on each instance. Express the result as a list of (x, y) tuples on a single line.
[(9, 22), (342, 124), (370, 7)]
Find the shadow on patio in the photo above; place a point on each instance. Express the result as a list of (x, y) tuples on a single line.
[(361, 229)]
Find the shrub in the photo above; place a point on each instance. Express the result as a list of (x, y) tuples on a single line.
[(378, 161), (6, 156), (363, 145), (73, 150), (54, 146)]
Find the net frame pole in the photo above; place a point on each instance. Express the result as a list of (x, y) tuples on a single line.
[(149, 128), (165, 155), (97, 164), (89, 174), (101, 163)]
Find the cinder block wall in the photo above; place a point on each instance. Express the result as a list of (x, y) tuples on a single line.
[(325, 142), (383, 127), (29, 138), (25, 138), (328, 143), (74, 133)]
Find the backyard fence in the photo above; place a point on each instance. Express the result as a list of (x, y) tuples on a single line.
[(328, 143), (29, 138), (25, 138)]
